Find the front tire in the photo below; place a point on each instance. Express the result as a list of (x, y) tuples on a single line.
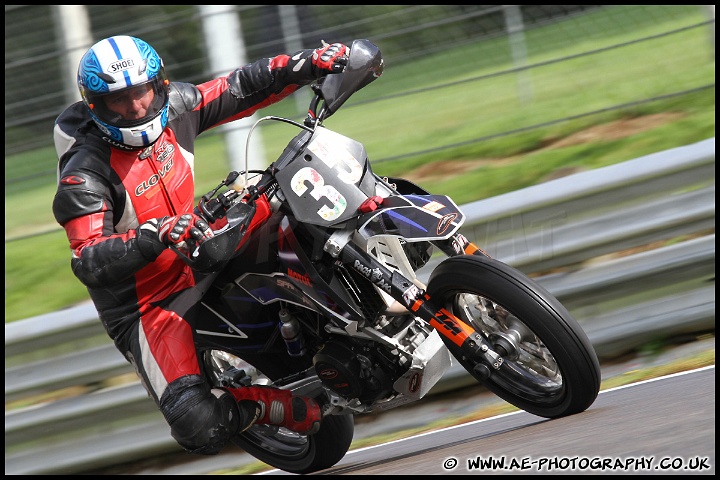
[(549, 367)]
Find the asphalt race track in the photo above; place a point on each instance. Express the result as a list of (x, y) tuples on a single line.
[(665, 425)]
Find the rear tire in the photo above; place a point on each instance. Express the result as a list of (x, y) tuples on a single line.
[(297, 453), (549, 366), (277, 446)]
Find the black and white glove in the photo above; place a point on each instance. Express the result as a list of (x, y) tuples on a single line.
[(178, 230)]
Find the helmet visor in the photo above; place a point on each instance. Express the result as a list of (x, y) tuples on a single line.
[(130, 107)]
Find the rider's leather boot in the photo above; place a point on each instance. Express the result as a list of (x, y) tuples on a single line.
[(280, 407)]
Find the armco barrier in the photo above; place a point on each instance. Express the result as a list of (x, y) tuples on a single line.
[(581, 236)]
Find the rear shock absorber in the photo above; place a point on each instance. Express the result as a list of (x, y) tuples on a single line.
[(291, 333)]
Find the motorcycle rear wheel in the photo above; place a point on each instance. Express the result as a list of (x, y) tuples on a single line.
[(279, 447), (549, 367), (295, 453)]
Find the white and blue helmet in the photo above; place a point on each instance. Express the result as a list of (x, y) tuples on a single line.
[(115, 64)]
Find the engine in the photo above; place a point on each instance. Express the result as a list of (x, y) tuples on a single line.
[(356, 369)]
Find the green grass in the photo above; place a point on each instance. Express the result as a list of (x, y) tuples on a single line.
[(38, 278), (470, 115)]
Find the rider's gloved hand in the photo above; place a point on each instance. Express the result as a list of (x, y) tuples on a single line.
[(329, 59), (306, 66), (178, 230)]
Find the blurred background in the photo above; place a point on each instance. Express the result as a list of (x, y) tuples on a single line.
[(503, 96), (520, 43)]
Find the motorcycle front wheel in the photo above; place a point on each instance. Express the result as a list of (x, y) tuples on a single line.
[(277, 446), (548, 366)]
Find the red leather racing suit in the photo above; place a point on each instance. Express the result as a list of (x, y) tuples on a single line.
[(105, 192)]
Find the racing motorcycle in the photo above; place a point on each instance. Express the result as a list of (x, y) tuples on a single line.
[(324, 299)]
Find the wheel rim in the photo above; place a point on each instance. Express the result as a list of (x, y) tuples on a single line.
[(278, 440), (528, 370)]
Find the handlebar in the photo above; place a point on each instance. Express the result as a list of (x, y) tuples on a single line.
[(238, 207), (364, 65), (212, 208)]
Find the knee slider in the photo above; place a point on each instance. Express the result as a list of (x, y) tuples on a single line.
[(202, 421)]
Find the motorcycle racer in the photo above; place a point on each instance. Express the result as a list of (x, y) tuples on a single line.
[(125, 194)]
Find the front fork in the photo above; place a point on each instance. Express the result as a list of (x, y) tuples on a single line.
[(471, 344)]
